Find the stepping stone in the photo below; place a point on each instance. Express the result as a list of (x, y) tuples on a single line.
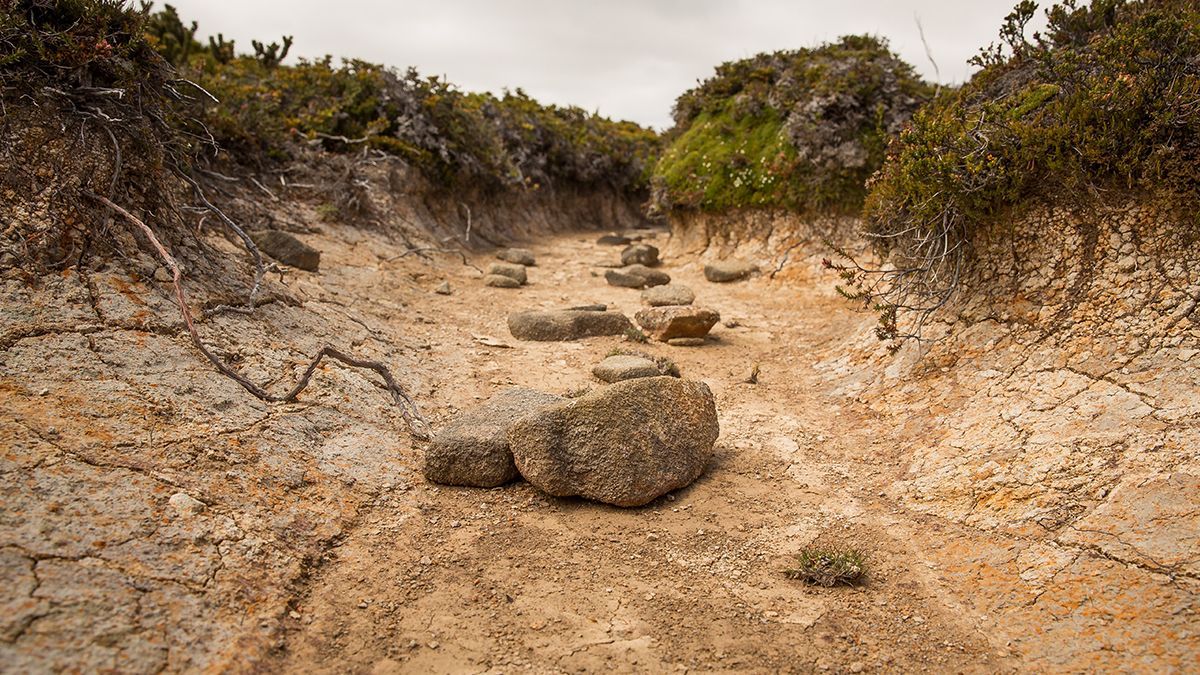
[(515, 272), (499, 281), (287, 249), (666, 323), (473, 448), (729, 270), (517, 256), (625, 444), (640, 254), (625, 367), (613, 240), (670, 294), (566, 324), (636, 276)]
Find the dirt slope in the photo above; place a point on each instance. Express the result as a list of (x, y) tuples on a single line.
[(320, 548)]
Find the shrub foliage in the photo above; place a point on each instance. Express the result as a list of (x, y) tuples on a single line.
[(800, 130), (1105, 101)]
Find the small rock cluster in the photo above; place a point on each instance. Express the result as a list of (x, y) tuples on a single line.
[(625, 445), (510, 273)]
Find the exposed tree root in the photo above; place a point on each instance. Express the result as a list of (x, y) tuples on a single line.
[(417, 425)]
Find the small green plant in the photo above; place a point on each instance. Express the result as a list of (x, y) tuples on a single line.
[(636, 335), (828, 566)]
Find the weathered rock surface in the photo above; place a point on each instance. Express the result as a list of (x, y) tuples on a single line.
[(636, 276), (625, 445), (668, 294), (613, 240), (287, 249), (510, 270), (517, 256), (666, 323), (566, 324), (443, 288), (686, 342), (729, 270), (625, 367), (473, 449), (640, 254), (500, 281)]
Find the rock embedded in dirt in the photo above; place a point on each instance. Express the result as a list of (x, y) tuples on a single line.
[(686, 342), (640, 254), (636, 276), (566, 324), (510, 270), (666, 323), (625, 444), (287, 249), (729, 270), (517, 256), (500, 281), (589, 308), (669, 294), (185, 504), (619, 367), (472, 450), (443, 288), (613, 240)]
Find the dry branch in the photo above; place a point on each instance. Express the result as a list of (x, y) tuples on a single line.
[(417, 425)]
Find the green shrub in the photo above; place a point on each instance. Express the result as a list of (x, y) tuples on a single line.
[(800, 130), (1103, 101)]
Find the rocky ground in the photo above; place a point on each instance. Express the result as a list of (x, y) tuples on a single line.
[(1017, 513)]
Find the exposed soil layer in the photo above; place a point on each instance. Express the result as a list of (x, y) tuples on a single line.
[(1014, 515)]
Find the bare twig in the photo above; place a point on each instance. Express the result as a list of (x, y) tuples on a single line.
[(467, 238), (417, 425), (937, 73)]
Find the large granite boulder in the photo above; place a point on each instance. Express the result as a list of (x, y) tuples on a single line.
[(625, 444), (473, 448)]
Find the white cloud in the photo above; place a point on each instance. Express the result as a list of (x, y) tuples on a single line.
[(628, 59)]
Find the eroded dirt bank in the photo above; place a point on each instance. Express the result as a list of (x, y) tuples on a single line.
[(1019, 511)]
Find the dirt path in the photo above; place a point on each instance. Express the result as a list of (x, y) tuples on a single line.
[(446, 579)]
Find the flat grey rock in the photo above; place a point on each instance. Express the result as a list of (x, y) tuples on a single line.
[(517, 256), (473, 448), (640, 254), (510, 270), (500, 281), (729, 270), (566, 324), (669, 294), (287, 249), (621, 367)]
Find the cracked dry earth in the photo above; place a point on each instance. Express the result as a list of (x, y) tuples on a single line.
[(318, 546)]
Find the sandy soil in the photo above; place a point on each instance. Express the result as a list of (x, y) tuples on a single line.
[(319, 547)]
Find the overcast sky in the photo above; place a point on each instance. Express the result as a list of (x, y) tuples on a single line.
[(628, 59)]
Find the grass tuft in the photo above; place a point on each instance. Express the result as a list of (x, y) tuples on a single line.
[(829, 567)]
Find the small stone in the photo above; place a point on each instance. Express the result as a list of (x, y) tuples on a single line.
[(559, 325), (636, 276), (621, 367), (498, 281), (517, 256), (666, 323), (287, 249), (668, 294), (455, 523), (434, 644), (640, 254), (856, 667), (614, 240), (443, 288), (515, 272), (686, 342), (186, 504), (473, 450), (729, 270)]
